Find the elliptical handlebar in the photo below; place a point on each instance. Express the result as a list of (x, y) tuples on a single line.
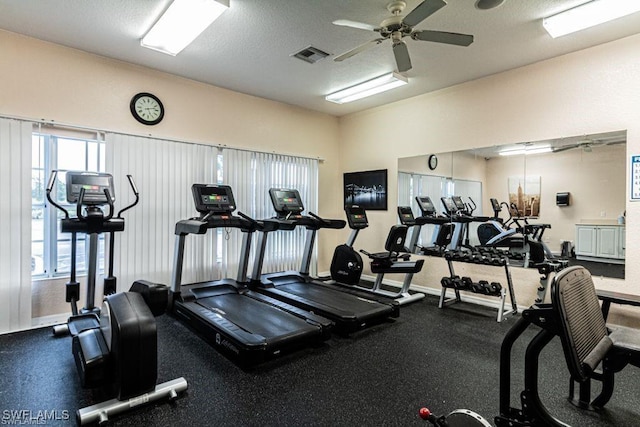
[(52, 180), (471, 207), (135, 193), (81, 197)]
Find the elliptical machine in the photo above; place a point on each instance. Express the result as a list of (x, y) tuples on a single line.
[(114, 348)]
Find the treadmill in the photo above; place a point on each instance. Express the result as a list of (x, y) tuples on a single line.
[(442, 230), (246, 326), (349, 312)]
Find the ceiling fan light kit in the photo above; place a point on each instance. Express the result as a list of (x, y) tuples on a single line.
[(588, 15), (181, 23), (398, 26), (370, 87)]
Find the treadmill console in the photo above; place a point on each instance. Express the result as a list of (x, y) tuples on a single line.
[(406, 215), (449, 205), (286, 201), (357, 217), (93, 183), (216, 199), (426, 206), (460, 206)]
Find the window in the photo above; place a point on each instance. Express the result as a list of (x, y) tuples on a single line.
[(51, 249)]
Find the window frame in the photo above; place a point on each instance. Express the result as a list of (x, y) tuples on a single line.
[(48, 148)]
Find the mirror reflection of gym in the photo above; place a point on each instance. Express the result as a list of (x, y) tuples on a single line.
[(591, 168)]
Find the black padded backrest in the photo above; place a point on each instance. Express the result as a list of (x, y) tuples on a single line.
[(536, 252), (395, 239), (444, 235), (582, 327)]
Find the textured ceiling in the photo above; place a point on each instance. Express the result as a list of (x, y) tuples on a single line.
[(249, 48)]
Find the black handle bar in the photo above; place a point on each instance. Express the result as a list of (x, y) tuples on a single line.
[(326, 221), (135, 193), (52, 180)]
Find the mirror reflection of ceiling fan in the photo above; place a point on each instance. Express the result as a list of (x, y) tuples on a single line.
[(587, 145), (398, 26)]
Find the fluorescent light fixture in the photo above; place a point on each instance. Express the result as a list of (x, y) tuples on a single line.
[(588, 15), (368, 88), (526, 151), (181, 23)]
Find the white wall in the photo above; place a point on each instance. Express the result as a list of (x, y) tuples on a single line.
[(591, 91), (41, 80)]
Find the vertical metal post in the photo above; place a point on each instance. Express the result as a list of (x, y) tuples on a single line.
[(178, 255), (91, 272), (257, 262), (244, 257), (352, 237), (308, 251)]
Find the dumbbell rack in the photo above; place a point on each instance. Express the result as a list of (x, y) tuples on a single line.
[(482, 287)]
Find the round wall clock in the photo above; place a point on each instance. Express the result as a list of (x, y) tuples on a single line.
[(433, 162), (147, 108)]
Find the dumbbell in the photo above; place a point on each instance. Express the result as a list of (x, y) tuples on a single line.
[(477, 287), (495, 288), (450, 282), (498, 261), (465, 283)]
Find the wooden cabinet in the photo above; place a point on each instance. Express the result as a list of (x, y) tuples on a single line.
[(600, 242)]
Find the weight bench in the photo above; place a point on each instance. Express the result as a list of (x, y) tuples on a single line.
[(591, 350)]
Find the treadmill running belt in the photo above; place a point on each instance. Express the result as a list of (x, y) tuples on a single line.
[(258, 318), (338, 300)]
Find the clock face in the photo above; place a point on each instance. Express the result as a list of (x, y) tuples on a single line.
[(147, 108), (433, 162)]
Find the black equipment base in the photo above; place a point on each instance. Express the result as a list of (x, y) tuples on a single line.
[(349, 312), (247, 327)]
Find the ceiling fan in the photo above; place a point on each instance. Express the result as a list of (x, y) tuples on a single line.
[(398, 26), (587, 145)]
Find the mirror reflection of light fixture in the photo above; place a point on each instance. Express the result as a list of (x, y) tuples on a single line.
[(181, 23), (588, 15), (525, 151), (368, 88)]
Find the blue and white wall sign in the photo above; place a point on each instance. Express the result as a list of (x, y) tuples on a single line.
[(635, 178)]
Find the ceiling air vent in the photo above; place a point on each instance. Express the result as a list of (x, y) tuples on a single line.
[(310, 54)]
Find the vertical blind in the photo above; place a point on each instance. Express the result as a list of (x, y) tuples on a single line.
[(15, 226), (251, 175), (164, 172)]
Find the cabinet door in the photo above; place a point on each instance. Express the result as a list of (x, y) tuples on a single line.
[(622, 242), (585, 240), (608, 241)]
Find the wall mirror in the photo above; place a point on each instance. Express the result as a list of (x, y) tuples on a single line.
[(590, 168)]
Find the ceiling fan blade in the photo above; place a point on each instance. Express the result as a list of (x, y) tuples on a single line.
[(358, 49), (623, 141), (565, 148), (355, 24), (443, 37), (423, 11), (403, 61)]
